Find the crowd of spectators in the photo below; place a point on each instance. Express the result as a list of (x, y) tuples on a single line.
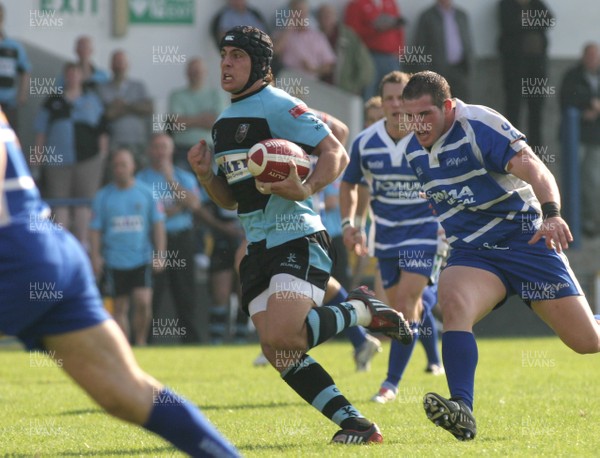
[(93, 115)]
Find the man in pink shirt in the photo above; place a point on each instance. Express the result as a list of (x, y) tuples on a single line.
[(302, 46)]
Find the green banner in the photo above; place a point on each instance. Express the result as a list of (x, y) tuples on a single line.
[(161, 11)]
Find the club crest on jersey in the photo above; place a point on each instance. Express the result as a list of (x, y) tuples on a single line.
[(241, 132)]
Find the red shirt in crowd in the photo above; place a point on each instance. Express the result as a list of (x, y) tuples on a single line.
[(361, 15)]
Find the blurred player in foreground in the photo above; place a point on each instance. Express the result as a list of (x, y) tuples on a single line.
[(49, 300), (285, 271), (500, 208)]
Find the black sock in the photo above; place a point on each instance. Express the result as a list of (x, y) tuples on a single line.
[(307, 378)]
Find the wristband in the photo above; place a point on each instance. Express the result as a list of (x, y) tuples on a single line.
[(550, 210), (358, 222), (346, 223)]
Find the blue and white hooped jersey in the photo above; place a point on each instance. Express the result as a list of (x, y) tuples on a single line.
[(21, 203), (403, 219), (266, 113), (478, 203)]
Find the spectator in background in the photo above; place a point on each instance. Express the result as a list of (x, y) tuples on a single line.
[(354, 68), (128, 107), (304, 48), (444, 33), (581, 89), (92, 76), (379, 24), (196, 108), (178, 192), (523, 47), (127, 225), (236, 12), (227, 235), (14, 75), (373, 110), (71, 143)]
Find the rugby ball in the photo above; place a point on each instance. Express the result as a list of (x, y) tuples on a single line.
[(269, 160)]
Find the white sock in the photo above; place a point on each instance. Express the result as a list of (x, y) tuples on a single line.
[(363, 315)]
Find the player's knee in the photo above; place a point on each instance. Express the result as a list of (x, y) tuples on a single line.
[(117, 405), (587, 346), (281, 340), (453, 308), (130, 400)]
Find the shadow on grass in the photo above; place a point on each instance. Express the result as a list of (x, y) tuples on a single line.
[(270, 447), (205, 407), (123, 452), (265, 405), (83, 411)]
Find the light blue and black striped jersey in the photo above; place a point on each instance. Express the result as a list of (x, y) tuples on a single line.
[(478, 203), (266, 113), (403, 219), (21, 204)]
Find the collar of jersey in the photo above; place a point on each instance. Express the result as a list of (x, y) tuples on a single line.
[(250, 94)]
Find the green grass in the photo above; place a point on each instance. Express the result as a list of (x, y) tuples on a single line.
[(534, 397)]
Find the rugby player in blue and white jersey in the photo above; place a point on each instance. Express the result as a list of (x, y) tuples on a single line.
[(500, 208), (404, 236), (49, 300)]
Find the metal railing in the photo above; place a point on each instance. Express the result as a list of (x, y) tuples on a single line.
[(571, 187)]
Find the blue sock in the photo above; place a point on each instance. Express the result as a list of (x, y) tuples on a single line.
[(459, 352), (356, 334), (399, 357), (428, 333), (178, 421), (339, 297)]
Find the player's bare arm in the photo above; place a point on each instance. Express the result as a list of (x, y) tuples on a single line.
[(159, 238), (529, 168), (333, 159), (96, 252), (200, 159), (354, 236), (339, 129)]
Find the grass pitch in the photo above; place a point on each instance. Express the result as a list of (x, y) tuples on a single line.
[(534, 397)]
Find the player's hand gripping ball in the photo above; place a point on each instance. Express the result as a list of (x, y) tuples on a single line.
[(268, 160)]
